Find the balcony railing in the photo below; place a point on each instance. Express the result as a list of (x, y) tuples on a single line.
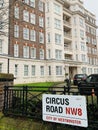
[(67, 23), (67, 35)]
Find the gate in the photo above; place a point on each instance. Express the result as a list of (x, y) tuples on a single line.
[(27, 102)]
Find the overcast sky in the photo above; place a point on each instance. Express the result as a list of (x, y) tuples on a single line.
[(92, 5)]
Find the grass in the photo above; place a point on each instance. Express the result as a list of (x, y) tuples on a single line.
[(39, 86), (9, 123), (48, 84)]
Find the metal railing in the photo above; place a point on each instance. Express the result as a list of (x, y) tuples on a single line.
[(27, 101)]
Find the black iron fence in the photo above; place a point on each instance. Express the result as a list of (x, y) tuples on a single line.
[(27, 102)]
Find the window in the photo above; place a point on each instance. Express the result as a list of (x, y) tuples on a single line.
[(41, 21), (57, 24), (58, 39), (16, 31), (76, 57), (48, 22), (47, 7), (41, 53), (32, 18), (81, 22), (26, 1), (41, 6), (16, 69), (33, 52), (16, 12), (76, 46), (83, 57), (49, 68), (0, 68), (41, 37), (26, 52), (32, 3), (57, 9), (48, 38), (75, 32), (16, 50), (2, 24), (42, 70), (49, 54), (81, 33), (26, 15), (58, 70), (26, 33), (33, 35), (1, 47), (26, 70), (75, 21), (82, 46), (58, 54), (33, 70), (1, 3)]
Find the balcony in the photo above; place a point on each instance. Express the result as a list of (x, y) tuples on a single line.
[(67, 37), (68, 50), (67, 24)]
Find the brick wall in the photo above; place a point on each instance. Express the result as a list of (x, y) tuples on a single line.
[(4, 82)]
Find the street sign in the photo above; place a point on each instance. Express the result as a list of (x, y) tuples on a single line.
[(66, 109)]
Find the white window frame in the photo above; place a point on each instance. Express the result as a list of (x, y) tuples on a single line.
[(16, 70), (32, 18), (26, 1), (26, 70), (42, 70), (41, 6), (41, 21), (16, 31), (58, 70), (58, 39), (26, 33), (16, 12), (32, 35), (57, 23), (32, 3), (57, 9), (33, 52), (33, 70), (41, 53), (58, 54), (26, 15), (41, 37), (26, 51), (16, 50)]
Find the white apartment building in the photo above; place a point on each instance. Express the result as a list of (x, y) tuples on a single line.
[(68, 36), (72, 16)]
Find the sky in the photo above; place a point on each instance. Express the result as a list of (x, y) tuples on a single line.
[(92, 6)]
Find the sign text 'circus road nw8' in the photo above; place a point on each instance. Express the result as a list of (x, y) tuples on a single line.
[(66, 109)]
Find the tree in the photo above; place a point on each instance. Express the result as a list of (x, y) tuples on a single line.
[(4, 8)]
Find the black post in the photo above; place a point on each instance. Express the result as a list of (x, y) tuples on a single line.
[(26, 90), (64, 90), (5, 107), (23, 100)]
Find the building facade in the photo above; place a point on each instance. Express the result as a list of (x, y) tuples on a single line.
[(44, 40)]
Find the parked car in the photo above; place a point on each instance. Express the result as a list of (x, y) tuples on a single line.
[(78, 77), (89, 85)]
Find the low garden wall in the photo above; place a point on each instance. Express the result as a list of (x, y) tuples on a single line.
[(5, 80)]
